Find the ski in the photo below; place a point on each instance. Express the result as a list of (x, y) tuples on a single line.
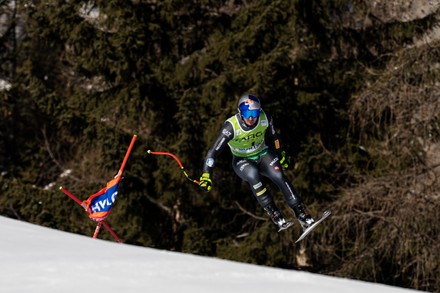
[(313, 226)]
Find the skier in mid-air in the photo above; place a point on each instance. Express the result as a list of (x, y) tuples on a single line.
[(256, 152)]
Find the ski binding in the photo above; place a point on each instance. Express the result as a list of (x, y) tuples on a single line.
[(285, 226)]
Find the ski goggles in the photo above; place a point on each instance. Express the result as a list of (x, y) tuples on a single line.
[(250, 113)]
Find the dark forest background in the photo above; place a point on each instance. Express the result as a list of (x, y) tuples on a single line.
[(352, 86)]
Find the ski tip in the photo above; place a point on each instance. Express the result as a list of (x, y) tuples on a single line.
[(148, 151), (60, 187)]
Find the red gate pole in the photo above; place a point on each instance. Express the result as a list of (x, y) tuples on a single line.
[(78, 201), (97, 230), (83, 204), (127, 154), (112, 232)]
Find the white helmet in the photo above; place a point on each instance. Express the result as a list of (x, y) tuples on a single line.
[(249, 106)]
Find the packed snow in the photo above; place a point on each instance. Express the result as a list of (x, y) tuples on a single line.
[(38, 259)]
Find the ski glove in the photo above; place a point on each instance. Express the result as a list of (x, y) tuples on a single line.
[(205, 182), (284, 161)]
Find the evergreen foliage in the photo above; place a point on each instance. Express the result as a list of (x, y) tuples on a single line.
[(355, 100)]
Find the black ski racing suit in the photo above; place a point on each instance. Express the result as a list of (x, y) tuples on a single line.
[(251, 170)]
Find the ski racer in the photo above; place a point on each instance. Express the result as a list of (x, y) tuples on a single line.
[(256, 152)]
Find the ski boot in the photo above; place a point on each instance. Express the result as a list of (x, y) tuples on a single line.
[(276, 217), (303, 216)]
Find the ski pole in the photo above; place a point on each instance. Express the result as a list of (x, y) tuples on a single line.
[(178, 162)]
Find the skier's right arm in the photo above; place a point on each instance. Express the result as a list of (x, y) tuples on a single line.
[(225, 135)]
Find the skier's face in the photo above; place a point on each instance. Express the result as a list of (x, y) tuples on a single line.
[(250, 121)]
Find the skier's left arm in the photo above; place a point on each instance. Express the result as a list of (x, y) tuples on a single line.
[(274, 143)]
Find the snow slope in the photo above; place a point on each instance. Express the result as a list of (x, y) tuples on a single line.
[(38, 259)]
